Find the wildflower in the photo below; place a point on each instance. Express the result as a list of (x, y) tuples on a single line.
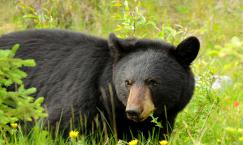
[(117, 4), (163, 142), (236, 104), (14, 125), (230, 129), (73, 134), (133, 142), (241, 139), (240, 130)]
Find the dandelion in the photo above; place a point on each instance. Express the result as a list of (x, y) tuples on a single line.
[(73, 134), (117, 4), (241, 139), (163, 142), (133, 142), (14, 125), (240, 130), (230, 129)]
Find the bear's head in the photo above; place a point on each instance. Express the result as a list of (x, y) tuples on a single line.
[(152, 76)]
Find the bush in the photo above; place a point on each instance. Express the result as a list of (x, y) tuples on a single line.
[(16, 104)]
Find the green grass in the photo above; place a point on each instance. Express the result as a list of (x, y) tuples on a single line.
[(211, 118)]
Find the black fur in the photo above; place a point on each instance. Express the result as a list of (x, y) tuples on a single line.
[(73, 68)]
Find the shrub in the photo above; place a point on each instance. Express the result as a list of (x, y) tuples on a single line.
[(16, 103)]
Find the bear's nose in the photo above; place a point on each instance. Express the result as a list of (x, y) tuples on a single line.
[(133, 113)]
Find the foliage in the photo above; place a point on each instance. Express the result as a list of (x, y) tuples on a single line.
[(45, 13), (155, 121), (131, 19), (16, 104)]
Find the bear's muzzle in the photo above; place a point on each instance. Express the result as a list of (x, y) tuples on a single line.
[(139, 103)]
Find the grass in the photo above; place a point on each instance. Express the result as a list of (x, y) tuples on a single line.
[(213, 116)]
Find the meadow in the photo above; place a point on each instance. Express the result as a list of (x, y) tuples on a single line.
[(213, 117)]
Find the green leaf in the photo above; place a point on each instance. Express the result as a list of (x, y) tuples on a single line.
[(39, 101), (4, 53), (29, 63), (14, 50), (182, 9), (30, 91)]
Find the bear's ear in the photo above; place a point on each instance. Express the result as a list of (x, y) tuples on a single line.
[(118, 47), (187, 50)]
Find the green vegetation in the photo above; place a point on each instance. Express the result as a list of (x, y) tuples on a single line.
[(16, 105), (214, 116)]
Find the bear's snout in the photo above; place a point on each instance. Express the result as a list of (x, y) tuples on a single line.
[(133, 113), (139, 103)]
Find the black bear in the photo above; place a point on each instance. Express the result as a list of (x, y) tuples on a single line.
[(122, 80)]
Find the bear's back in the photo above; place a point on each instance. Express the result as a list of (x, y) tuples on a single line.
[(68, 65)]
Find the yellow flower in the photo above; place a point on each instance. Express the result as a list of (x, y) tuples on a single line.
[(230, 129), (117, 4), (240, 130), (163, 142), (241, 139), (14, 125), (133, 142), (73, 134)]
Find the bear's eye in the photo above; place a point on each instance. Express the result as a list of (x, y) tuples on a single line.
[(152, 82), (128, 83)]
